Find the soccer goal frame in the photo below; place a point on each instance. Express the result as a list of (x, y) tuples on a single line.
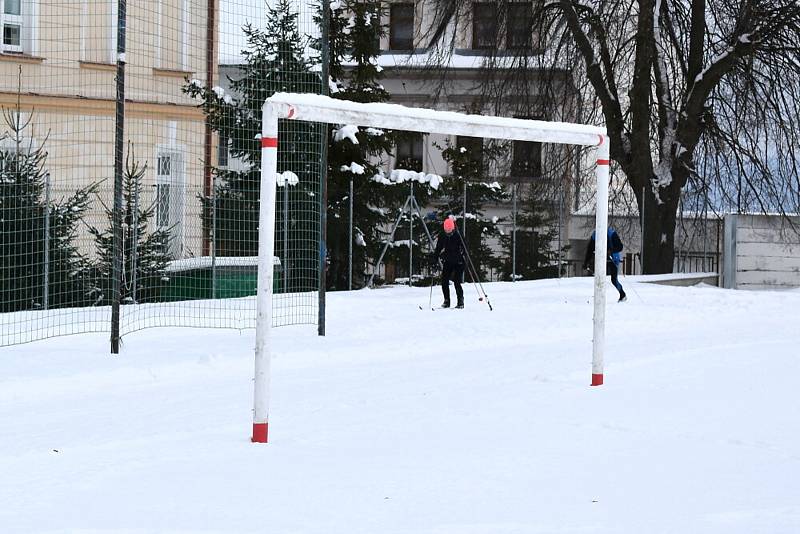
[(317, 108)]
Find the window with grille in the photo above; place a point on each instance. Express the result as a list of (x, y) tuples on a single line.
[(163, 186), (170, 198), (484, 25), (401, 27)]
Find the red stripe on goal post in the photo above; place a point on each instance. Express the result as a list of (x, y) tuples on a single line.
[(259, 432), (603, 161), (269, 142), (597, 379)]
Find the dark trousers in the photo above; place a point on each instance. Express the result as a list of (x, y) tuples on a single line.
[(454, 272), (612, 269)]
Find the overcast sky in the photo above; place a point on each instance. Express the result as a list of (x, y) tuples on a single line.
[(234, 15)]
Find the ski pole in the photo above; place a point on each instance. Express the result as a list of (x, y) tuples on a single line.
[(474, 272), (472, 276), (430, 295), (631, 286)]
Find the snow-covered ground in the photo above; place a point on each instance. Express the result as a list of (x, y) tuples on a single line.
[(409, 421)]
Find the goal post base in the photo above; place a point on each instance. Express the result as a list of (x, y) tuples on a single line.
[(259, 433)]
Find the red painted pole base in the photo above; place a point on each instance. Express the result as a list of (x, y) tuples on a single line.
[(597, 380), (259, 433)]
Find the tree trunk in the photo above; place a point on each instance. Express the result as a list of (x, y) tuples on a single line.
[(658, 225)]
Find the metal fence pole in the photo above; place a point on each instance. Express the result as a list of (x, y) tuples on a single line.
[(46, 296), (350, 249), (560, 224), (464, 211), (214, 242), (410, 235), (116, 271), (323, 201), (285, 260), (514, 234)]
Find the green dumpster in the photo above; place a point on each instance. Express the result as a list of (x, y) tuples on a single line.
[(234, 277)]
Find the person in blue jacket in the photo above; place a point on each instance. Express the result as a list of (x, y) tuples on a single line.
[(614, 257)]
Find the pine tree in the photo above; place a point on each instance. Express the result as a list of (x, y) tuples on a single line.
[(145, 254), (536, 232), (26, 219), (357, 154), (471, 165), (274, 61)]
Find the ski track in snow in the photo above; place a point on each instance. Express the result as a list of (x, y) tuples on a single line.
[(403, 420)]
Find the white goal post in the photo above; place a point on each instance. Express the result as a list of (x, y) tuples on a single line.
[(317, 108)]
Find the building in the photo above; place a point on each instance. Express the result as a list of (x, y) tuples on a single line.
[(413, 42), (58, 64)]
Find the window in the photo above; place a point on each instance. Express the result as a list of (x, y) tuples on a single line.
[(163, 186), (11, 20), (99, 31), (484, 25), (173, 33), (223, 151), (401, 27), (409, 153), (474, 148), (520, 22), (170, 199), (526, 160)]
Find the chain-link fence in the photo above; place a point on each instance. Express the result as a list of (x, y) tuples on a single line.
[(130, 164)]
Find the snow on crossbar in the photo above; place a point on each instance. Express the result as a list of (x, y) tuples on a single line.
[(317, 108)]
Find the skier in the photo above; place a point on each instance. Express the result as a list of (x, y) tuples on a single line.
[(453, 265), (613, 252)]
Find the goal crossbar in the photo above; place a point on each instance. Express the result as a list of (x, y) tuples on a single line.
[(318, 108)]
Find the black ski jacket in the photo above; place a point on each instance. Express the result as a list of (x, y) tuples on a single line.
[(452, 247)]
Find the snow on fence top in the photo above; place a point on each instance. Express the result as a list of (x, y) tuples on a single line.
[(319, 108), (205, 262)]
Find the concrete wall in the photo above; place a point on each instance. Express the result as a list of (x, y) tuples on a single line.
[(761, 252), (698, 241)]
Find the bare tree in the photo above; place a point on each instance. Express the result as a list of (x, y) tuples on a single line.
[(701, 98)]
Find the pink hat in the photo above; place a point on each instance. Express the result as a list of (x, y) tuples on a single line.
[(449, 225)]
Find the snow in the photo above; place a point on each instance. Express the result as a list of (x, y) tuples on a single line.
[(392, 423), (354, 168), (399, 176), (323, 108), (348, 131), (282, 178), (333, 86), (205, 262)]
